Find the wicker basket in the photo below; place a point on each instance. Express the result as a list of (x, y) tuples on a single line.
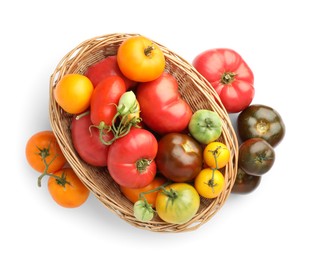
[(193, 88)]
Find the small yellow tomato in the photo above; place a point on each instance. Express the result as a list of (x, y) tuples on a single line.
[(216, 155), (209, 183), (73, 93)]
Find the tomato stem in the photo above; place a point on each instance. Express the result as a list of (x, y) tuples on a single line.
[(148, 50), (228, 78), (44, 153)]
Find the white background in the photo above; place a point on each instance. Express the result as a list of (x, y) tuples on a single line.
[(279, 41)]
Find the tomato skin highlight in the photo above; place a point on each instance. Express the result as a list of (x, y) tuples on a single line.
[(140, 59), (73, 194), (131, 159), (229, 75), (45, 143), (181, 206), (105, 97), (161, 104), (105, 68), (87, 143)]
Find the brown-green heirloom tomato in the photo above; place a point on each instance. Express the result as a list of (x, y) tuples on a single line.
[(261, 121)]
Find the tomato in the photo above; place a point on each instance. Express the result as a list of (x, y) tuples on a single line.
[(245, 183), (105, 68), (131, 159), (261, 121), (133, 195), (209, 183), (256, 156), (42, 149), (205, 126), (68, 191), (105, 97), (87, 143), (178, 203), (162, 108), (229, 75), (143, 211), (179, 157), (140, 59), (216, 155), (73, 93)]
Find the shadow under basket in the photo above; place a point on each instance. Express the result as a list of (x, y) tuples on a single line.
[(193, 87)]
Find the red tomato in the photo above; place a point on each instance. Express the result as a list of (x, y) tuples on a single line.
[(104, 68), (131, 159), (162, 108), (87, 143), (230, 76), (104, 98)]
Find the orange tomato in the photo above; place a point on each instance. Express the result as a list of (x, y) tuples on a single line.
[(140, 59), (209, 183), (216, 155), (133, 194), (73, 93), (67, 190), (42, 148)]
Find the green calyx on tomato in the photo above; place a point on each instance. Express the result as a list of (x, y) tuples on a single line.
[(121, 123), (256, 156), (227, 78), (205, 126)]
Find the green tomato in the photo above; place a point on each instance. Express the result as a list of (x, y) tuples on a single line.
[(178, 203), (143, 211), (205, 126)]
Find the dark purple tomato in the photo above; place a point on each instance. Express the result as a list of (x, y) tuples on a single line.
[(261, 121), (179, 157), (245, 183), (256, 156)]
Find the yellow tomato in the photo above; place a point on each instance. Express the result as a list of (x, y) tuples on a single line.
[(73, 93), (216, 155), (209, 183), (140, 59)]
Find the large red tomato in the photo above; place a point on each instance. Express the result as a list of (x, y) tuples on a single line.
[(162, 108), (230, 76), (87, 143), (131, 159)]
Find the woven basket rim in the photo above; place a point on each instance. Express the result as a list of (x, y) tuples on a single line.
[(102, 46)]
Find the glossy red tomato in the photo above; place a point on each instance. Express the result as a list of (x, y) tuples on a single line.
[(131, 159), (105, 68), (230, 76), (162, 108), (87, 143), (105, 97)]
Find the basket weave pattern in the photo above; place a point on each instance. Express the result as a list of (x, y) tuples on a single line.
[(193, 88)]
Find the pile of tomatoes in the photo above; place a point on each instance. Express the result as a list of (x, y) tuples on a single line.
[(260, 127), (129, 117)]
